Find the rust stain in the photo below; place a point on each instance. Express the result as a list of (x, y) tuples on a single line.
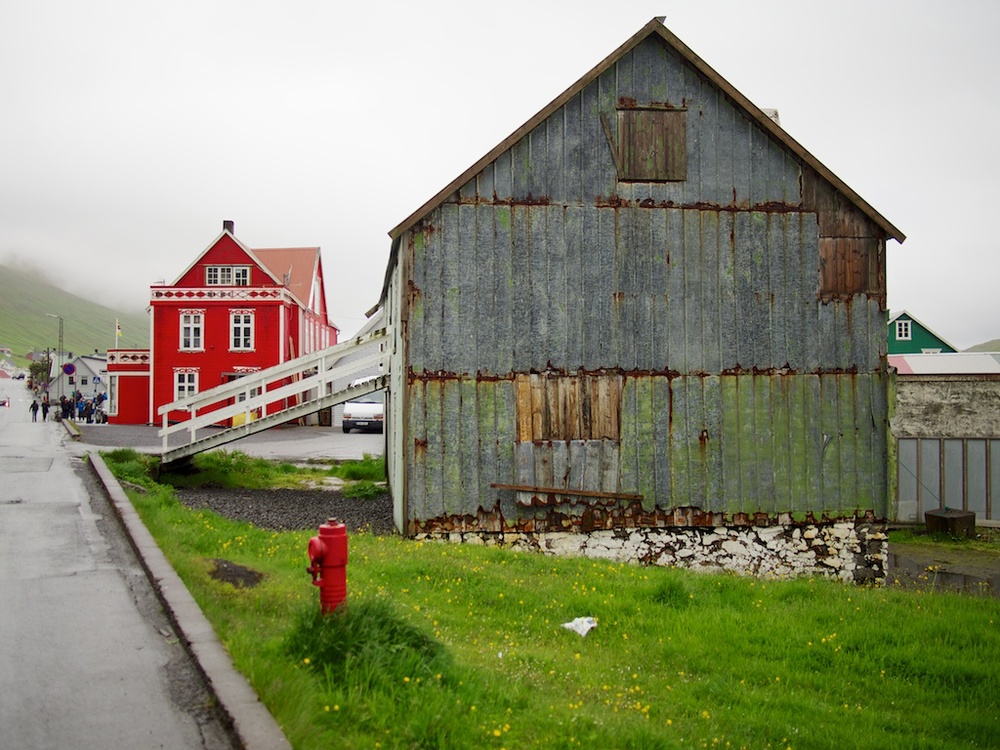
[(622, 516), (420, 449), (611, 201), (495, 200)]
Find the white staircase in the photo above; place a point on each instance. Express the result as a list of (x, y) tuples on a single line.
[(261, 400)]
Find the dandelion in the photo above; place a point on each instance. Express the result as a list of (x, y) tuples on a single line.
[(306, 660)]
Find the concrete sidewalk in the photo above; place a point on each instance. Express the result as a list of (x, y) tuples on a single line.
[(101, 644)]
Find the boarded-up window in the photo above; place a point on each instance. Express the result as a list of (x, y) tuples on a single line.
[(851, 246), (568, 407), (850, 265), (652, 144)]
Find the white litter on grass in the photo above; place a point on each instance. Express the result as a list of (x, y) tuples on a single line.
[(581, 625)]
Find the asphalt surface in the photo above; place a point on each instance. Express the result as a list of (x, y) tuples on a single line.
[(287, 442), (89, 657), (102, 646)]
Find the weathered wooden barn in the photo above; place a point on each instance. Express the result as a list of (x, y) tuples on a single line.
[(648, 310)]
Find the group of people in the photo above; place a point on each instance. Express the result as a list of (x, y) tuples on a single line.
[(77, 407)]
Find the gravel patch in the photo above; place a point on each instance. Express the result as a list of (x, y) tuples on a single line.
[(294, 510)]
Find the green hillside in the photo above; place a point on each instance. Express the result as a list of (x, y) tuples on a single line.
[(26, 303), (986, 346)]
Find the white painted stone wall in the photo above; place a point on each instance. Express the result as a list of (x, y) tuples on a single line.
[(855, 552)]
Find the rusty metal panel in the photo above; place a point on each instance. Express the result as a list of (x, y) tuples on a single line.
[(600, 306), (577, 260), (456, 459), (415, 312), (507, 314), (484, 270), (503, 176), (416, 455)]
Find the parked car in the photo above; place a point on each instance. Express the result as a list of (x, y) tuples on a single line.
[(366, 412)]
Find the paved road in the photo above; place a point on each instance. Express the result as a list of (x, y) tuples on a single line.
[(287, 442), (88, 660)]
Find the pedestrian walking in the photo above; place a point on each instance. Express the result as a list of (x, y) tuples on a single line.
[(34, 410), (45, 410)]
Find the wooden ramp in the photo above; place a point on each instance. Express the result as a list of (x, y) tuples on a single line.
[(260, 400)]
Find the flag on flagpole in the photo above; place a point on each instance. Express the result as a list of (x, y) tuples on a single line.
[(118, 328)]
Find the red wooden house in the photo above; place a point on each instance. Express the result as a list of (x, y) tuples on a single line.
[(233, 311)]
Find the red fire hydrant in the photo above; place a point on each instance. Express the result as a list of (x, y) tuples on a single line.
[(328, 555)]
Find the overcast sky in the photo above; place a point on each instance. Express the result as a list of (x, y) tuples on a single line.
[(131, 129)]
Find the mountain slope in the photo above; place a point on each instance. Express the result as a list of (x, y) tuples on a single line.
[(986, 346), (27, 301)]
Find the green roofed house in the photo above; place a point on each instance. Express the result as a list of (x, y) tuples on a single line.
[(907, 335)]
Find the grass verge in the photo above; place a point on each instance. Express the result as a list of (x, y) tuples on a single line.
[(987, 540), (229, 469), (445, 646)]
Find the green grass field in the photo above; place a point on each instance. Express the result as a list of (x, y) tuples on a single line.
[(448, 646)]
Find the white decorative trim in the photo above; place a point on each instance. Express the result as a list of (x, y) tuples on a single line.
[(191, 311), (241, 293), (187, 369)]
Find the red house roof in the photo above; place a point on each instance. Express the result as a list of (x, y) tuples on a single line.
[(296, 268)]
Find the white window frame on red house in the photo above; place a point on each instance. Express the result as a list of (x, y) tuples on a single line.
[(192, 331), (227, 275), (241, 330), (185, 383)]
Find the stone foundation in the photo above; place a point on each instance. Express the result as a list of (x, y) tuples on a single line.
[(849, 551)]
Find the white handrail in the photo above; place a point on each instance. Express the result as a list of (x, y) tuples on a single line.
[(315, 372), (277, 372)]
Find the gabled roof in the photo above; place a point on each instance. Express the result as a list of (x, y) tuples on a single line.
[(654, 27), (920, 323), (250, 254), (293, 267)]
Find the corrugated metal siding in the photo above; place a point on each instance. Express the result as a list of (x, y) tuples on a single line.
[(724, 290), (744, 390), (732, 444)]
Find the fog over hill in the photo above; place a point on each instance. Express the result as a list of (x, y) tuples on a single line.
[(31, 305)]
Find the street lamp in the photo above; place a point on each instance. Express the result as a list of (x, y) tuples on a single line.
[(53, 315)]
